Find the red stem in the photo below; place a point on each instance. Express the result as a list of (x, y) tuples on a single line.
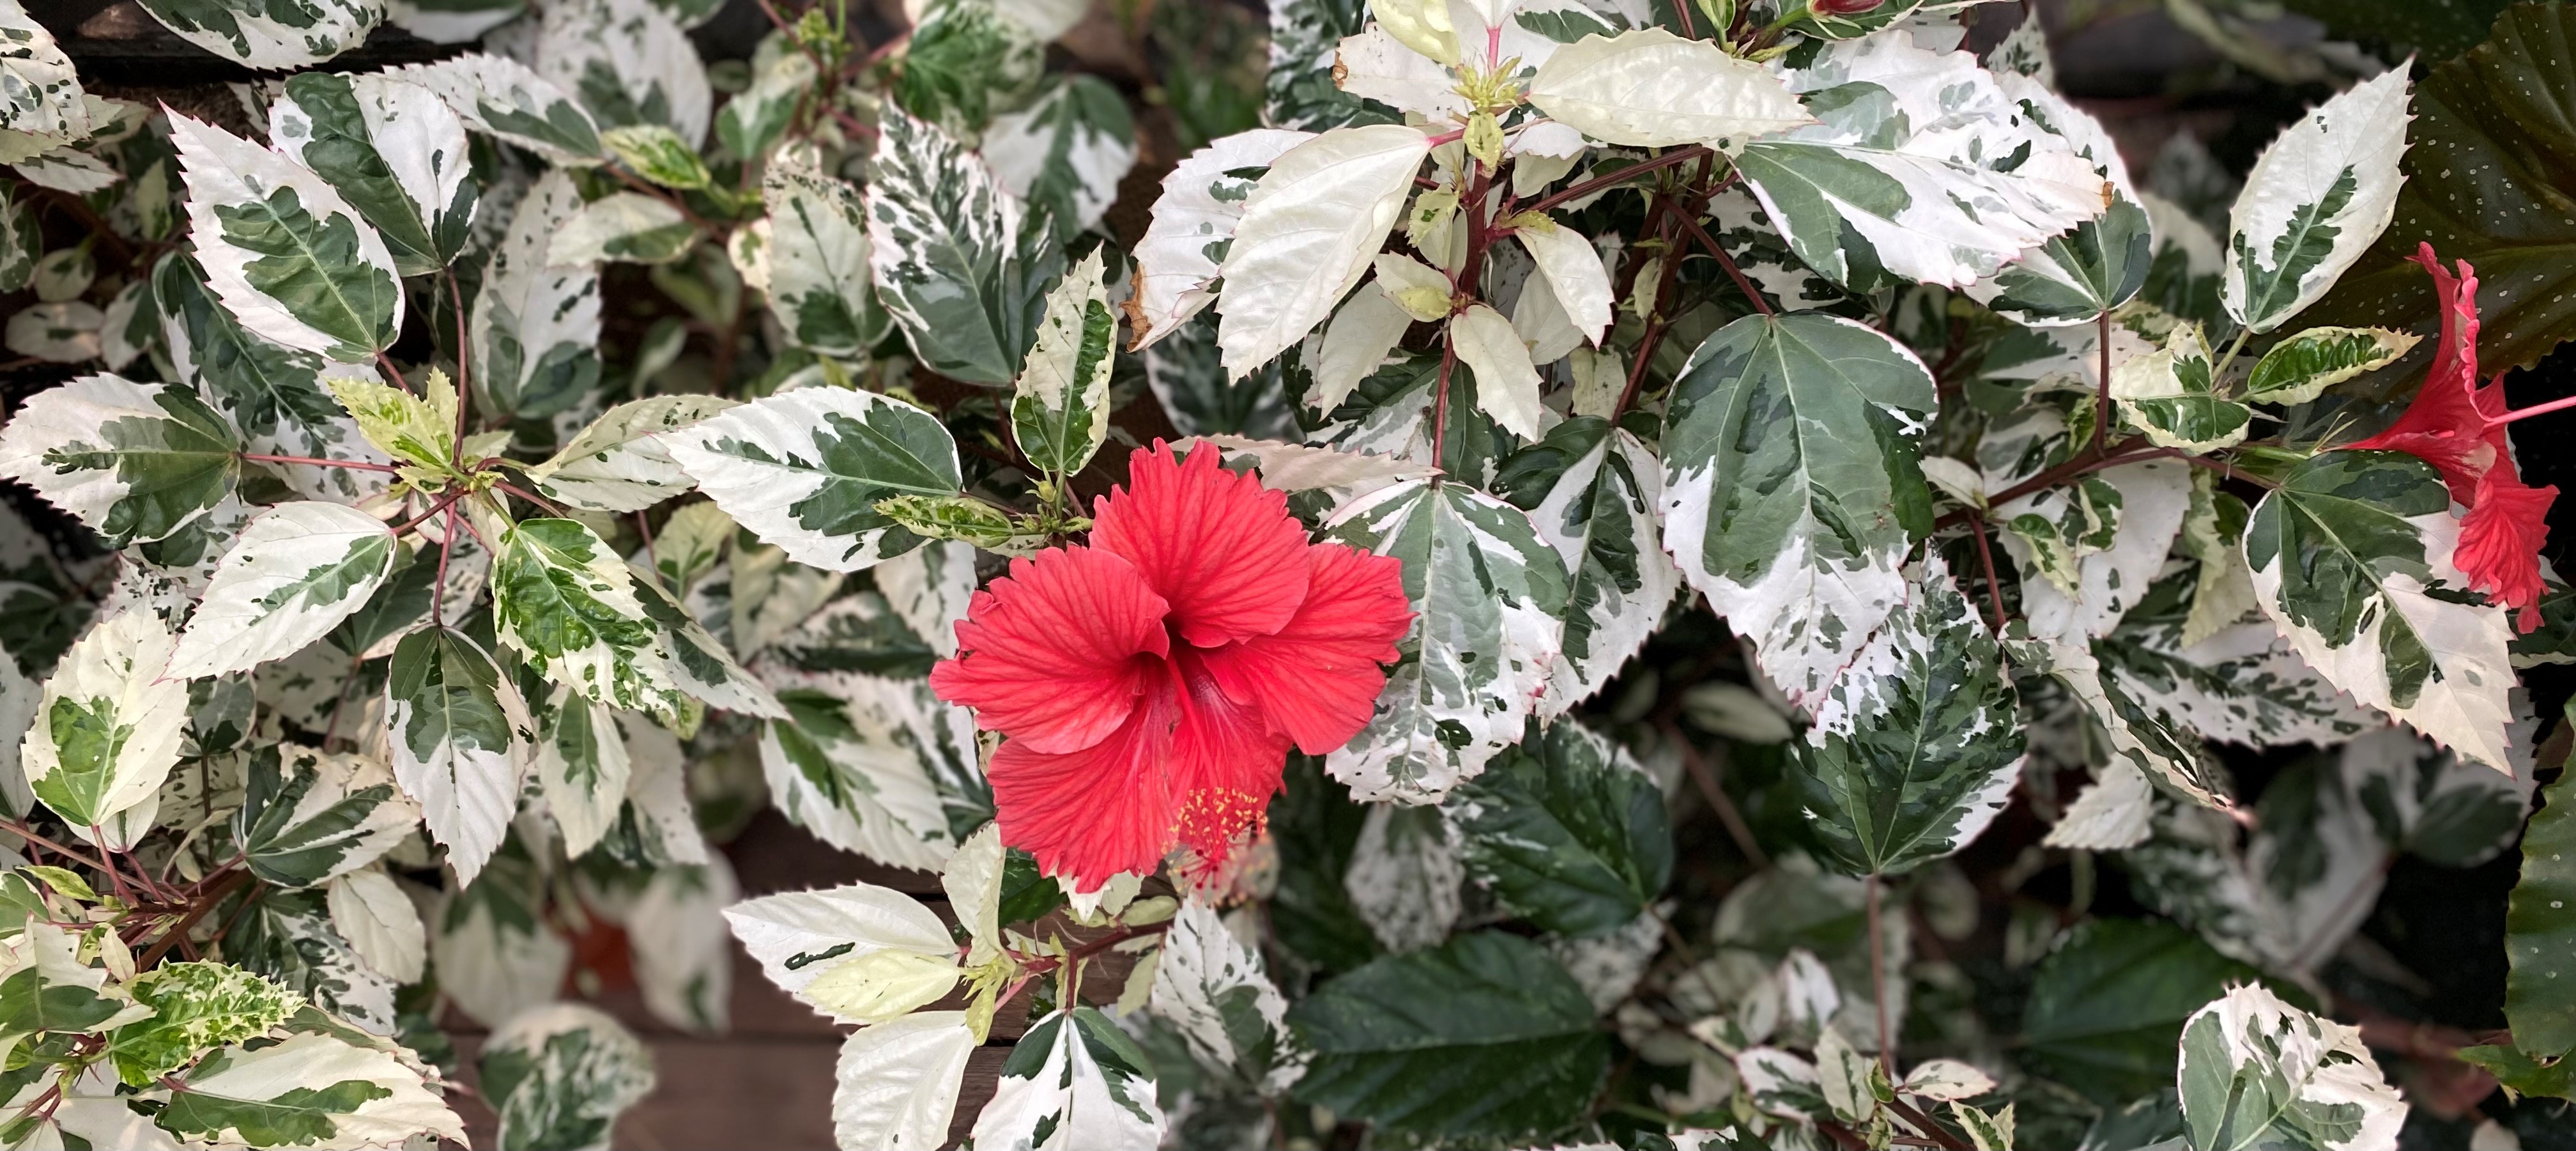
[(1586, 188), (1728, 262), (316, 461), (1986, 560), (387, 363)]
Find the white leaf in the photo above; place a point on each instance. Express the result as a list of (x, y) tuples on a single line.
[(380, 923), (1374, 65), (657, 795), (1304, 468), (2110, 814), (1193, 220), (972, 879), (111, 724), (347, 311), (2316, 199), (799, 935), (682, 953), (620, 463), (642, 50), (1356, 343), (240, 1082), (61, 333), (1574, 272), (929, 588), (1307, 234), (1507, 385), (1652, 89), (271, 38), (292, 575), (897, 1082), (1405, 877), (621, 227)]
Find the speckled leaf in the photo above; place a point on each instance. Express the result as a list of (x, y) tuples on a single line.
[(1791, 490), (957, 260), (2352, 558), (270, 34), (621, 463), (1488, 597), (818, 260), (1211, 987), (805, 469), (285, 253), (566, 602), (195, 1006), (2302, 366), (2258, 1072), (1060, 405), (287, 935), (1916, 747), (1067, 151), (41, 106), (136, 462), (857, 760), (1193, 227), (627, 62), (108, 727), (504, 98), (394, 151), (461, 739), (2540, 930), (2100, 265), (1303, 93), (273, 393), (313, 1090), (2316, 199), (1595, 493), (2242, 684), (559, 1076)]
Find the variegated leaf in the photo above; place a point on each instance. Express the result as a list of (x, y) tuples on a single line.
[(108, 726), (559, 1075), (292, 575), (897, 1081), (22, 243), (495, 954), (757, 118), (1302, 91), (287, 935), (2103, 262), (136, 462), (371, 910), (2301, 367), (2352, 558), (2317, 197), (1924, 159), (1193, 227), (568, 604), (2258, 1072), (1075, 1076), (1650, 88), (1211, 987), (461, 738), (1405, 877), (930, 587), (268, 36), (582, 768), (682, 952), (1309, 230), (857, 760), (1596, 495), (535, 324), (799, 937), (1791, 490), (2145, 504), (1066, 151), (818, 263), (273, 393), (394, 151), (628, 62), (2242, 684), (41, 104), (1060, 405), (502, 97), (312, 1090), (68, 332), (2169, 395), (622, 227), (1488, 597), (956, 259), (805, 470), (285, 253), (310, 816), (620, 463)]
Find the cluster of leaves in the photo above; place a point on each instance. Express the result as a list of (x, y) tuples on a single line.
[(431, 623)]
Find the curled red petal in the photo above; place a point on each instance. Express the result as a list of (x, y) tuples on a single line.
[(2448, 425), (1221, 548), (1226, 764), (1317, 679), (2500, 540), (1091, 814), (1055, 654)]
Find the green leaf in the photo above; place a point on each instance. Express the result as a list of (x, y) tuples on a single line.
[(313, 1090), (1916, 747), (309, 816), (273, 393), (1487, 595), (1791, 488), (2107, 1006), (955, 258), (2540, 930), (1067, 151), (287, 256), (461, 738), (2439, 31), (2352, 558), (269, 36), (560, 1075), (502, 97), (658, 154), (2303, 366), (1060, 405), (1566, 831), (818, 260), (393, 150), (195, 1006), (136, 462), (805, 470), (2260, 1073), (2520, 1074), (965, 62), (2170, 396), (1483, 1038)]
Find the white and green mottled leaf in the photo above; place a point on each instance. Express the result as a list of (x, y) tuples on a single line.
[(1924, 160), (76, 172), (22, 243), (451, 21), (313, 1090), (2352, 558), (41, 105), (1916, 746), (65, 274), (1060, 404), (620, 463), (622, 227), (2143, 738), (1601, 511), (136, 462), (856, 761), (287, 935), (489, 942), (2431, 803), (1987, 1130), (2103, 262), (627, 62), (504, 98), (568, 604), (380, 922), (2140, 510), (797, 936), (1212, 988), (930, 587), (804, 470), (1488, 596), (2258, 1072), (818, 260), (1507, 384), (1066, 151), (1342, 476), (269, 36), (897, 1081), (582, 768), (658, 155), (659, 827), (419, 430), (285, 253), (309, 816), (272, 393), (1405, 877), (1791, 487), (535, 323), (108, 727), (292, 575), (128, 326), (1075, 1076), (2302, 366), (559, 1075), (1177, 263), (957, 259), (2242, 684), (1301, 89), (2170, 396), (1650, 88), (461, 739), (1186, 373), (395, 152), (683, 954), (2316, 199), (194, 1006), (2110, 814), (60, 333), (757, 118), (1309, 230)]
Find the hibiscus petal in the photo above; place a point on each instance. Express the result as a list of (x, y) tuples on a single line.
[(1317, 679), (1221, 548), (2500, 542), (1094, 813), (1055, 654), (1226, 764), (2447, 424)]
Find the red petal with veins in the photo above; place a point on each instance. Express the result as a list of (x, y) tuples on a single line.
[(1097, 812), (1221, 548), (2500, 543), (1055, 654), (1317, 679), (1226, 763)]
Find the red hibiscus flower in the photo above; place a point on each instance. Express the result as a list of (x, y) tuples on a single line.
[(1149, 685), (2458, 426)]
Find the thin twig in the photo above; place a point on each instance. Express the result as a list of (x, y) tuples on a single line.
[(438, 591), (29, 834), (196, 911), (532, 497), (388, 364), (1878, 979), (1705, 779), (1586, 188), (1728, 262), (464, 390), (1986, 560), (319, 462)]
